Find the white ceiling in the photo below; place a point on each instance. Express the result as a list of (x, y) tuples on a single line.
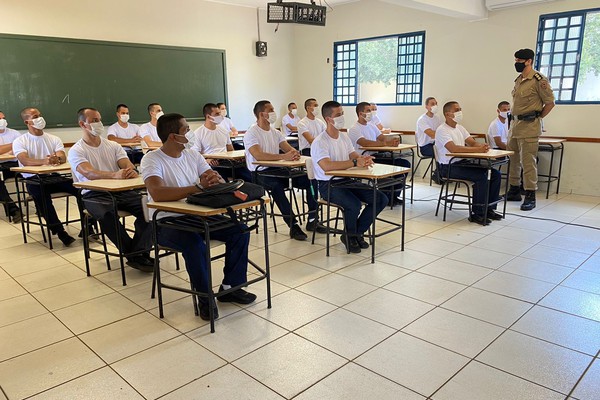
[(263, 3)]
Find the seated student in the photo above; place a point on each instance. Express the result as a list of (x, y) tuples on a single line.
[(124, 132), (332, 150), (454, 138), (38, 148), (498, 130), (211, 138), (7, 137), (289, 122), (227, 124), (426, 126), (148, 130), (172, 173), (309, 127), (94, 157), (263, 143), (376, 121)]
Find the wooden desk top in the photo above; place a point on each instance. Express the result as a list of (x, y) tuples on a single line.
[(378, 171), (400, 147), (551, 141), (239, 135), (228, 155), (131, 144), (7, 157), (281, 163), (492, 154), (181, 207), (43, 169), (112, 185), (291, 138)]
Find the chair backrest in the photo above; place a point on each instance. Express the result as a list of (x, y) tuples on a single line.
[(144, 201), (310, 169)]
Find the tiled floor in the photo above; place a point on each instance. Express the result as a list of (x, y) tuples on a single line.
[(508, 311)]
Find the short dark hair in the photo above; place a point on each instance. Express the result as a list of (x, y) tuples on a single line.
[(327, 108), (220, 104), (81, 113), (503, 103), (525, 54), (260, 107), (167, 124), (25, 112), (151, 106), (360, 107), (427, 100), (449, 105), (291, 104), (207, 109), (122, 105), (307, 103)]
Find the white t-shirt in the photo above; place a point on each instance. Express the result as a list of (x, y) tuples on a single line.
[(289, 120), (267, 140), (324, 146), (444, 134), (227, 124), (208, 141), (497, 129), (148, 129), (7, 137), (423, 123), (38, 147), (312, 126), (105, 157), (122, 133), (368, 131), (175, 172)]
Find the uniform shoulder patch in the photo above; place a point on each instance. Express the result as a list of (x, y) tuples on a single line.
[(538, 76)]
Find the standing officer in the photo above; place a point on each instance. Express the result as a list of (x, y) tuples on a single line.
[(532, 100)]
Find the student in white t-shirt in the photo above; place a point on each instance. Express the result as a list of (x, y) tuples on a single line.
[(426, 126), (289, 122), (7, 137), (332, 150), (124, 132), (376, 121), (309, 127), (148, 130), (39, 148), (263, 143), (227, 124), (498, 129), (211, 138), (172, 173), (451, 137), (94, 157)]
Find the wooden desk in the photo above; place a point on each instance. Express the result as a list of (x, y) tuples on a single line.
[(112, 185), (7, 157), (282, 163), (228, 155), (201, 219), (492, 154), (131, 144), (42, 169), (551, 145), (380, 176)]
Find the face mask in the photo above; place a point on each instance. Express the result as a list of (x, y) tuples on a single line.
[(315, 111), (3, 123), (434, 109), (373, 114), (97, 129), (223, 113), (181, 143), (159, 114), (39, 123), (504, 114), (294, 111), (520, 66), (458, 116), (338, 122), (124, 118), (272, 117), (217, 119), (368, 116)]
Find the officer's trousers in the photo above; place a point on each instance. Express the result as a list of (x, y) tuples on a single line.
[(525, 157)]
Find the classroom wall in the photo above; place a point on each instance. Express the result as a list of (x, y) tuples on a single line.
[(471, 62), (193, 23)]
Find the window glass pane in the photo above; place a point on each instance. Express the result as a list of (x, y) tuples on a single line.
[(546, 47), (573, 45), (558, 58), (549, 34), (588, 82), (555, 82), (566, 95), (569, 70), (576, 20), (561, 33), (544, 70), (559, 46), (550, 23), (563, 21), (545, 60), (574, 32), (571, 58), (567, 83)]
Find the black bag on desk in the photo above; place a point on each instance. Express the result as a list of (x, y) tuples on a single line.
[(227, 194)]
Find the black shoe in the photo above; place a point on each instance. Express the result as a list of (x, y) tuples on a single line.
[(351, 244), (513, 194), (239, 296), (362, 243), (479, 219), (397, 201), (204, 311), (529, 202), (16, 216), (65, 238), (296, 233), (493, 215), (315, 225), (436, 178), (140, 263)]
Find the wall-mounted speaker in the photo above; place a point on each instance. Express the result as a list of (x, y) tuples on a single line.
[(261, 49)]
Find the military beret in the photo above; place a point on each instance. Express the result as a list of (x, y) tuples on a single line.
[(525, 54)]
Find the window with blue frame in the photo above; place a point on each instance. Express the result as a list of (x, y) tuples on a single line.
[(383, 70), (568, 53)]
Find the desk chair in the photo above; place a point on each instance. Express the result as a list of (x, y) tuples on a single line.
[(446, 181), (429, 166)]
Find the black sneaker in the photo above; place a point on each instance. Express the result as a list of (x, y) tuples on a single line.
[(204, 311), (239, 296), (513, 194), (351, 244), (362, 243), (315, 225), (140, 263), (296, 233), (16, 216), (493, 215), (479, 219), (65, 238)]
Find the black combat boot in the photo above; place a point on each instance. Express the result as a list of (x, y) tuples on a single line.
[(529, 202), (513, 194)]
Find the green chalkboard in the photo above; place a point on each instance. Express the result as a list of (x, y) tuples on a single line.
[(59, 76)]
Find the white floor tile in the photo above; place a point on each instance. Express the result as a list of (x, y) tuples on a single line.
[(574, 301), (482, 257), (377, 274), (19, 309), (10, 288), (296, 273), (425, 288), (583, 280), (567, 258), (50, 277), (336, 289), (456, 271), (334, 262), (535, 269), (433, 246), (579, 244), (515, 286), (592, 264), (456, 235), (589, 387), (519, 234), (71, 293), (409, 259)]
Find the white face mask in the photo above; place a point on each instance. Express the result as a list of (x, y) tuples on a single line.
[(315, 111), (294, 111), (458, 116), (434, 109), (159, 114), (224, 113), (3, 123), (338, 122), (504, 114), (39, 123), (217, 119), (96, 129), (124, 118), (272, 117), (368, 116)]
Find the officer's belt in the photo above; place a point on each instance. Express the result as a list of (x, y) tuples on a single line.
[(529, 116)]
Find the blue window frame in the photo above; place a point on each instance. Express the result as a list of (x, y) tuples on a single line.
[(387, 70), (567, 49)]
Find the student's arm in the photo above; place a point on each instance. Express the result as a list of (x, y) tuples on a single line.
[(260, 155), (498, 141), (5, 148), (471, 147), (370, 143), (361, 161), (30, 162), (292, 128), (135, 139), (393, 142), (309, 138), (150, 142), (161, 192), (126, 172), (229, 147), (234, 132), (430, 132)]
